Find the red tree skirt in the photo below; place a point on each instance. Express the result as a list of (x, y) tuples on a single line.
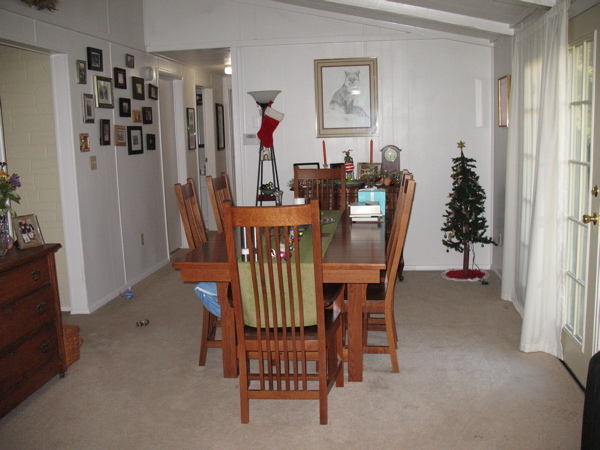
[(457, 275)]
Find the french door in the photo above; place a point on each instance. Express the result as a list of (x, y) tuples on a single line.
[(580, 313)]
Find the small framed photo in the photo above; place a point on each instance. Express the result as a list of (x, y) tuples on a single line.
[(84, 142), (129, 61), (365, 170), (135, 144), (88, 108), (136, 116), (137, 86), (340, 114), (94, 59), (153, 92), (147, 114), (120, 76), (191, 128), (503, 100), (220, 127), (150, 142), (104, 132), (103, 89), (124, 107), (120, 135), (28, 231), (81, 72)]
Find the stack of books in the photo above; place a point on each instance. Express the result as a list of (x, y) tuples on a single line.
[(368, 211)]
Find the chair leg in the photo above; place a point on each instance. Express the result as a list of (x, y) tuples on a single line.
[(204, 338), (390, 330)]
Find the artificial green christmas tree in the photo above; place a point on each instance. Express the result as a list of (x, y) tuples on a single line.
[(465, 222)]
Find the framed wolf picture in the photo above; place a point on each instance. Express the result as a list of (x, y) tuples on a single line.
[(346, 97)]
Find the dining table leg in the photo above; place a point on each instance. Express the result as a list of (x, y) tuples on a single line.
[(230, 362), (357, 295)]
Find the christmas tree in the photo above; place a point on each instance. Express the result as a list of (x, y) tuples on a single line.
[(465, 223)]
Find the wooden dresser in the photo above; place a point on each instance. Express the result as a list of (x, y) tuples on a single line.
[(31, 335)]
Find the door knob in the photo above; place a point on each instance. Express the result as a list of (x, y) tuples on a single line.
[(593, 218), (595, 190)]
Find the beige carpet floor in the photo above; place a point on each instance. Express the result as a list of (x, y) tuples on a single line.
[(463, 383)]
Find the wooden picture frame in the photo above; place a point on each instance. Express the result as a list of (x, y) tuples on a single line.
[(135, 142), (191, 128), (136, 116), (120, 135), (84, 142), (104, 132), (129, 61), (150, 141), (120, 76), (124, 107), (103, 91), (147, 114), (153, 92), (220, 118), (81, 72), (28, 231), (88, 108), (340, 113), (137, 88), (503, 100), (365, 169), (94, 59)]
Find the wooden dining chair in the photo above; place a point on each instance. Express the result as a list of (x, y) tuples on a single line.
[(219, 190), (378, 313), (191, 216), (288, 324), (326, 185), (406, 175)]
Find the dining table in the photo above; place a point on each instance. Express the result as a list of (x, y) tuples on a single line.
[(355, 256)]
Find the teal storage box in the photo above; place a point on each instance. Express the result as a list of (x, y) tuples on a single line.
[(373, 195)]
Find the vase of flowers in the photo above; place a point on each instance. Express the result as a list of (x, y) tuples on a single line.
[(8, 186)]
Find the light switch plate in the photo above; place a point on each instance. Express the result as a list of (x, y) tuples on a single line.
[(93, 163)]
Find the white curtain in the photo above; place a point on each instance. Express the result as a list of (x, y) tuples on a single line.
[(535, 218)]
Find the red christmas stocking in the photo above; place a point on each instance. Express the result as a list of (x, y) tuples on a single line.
[(269, 122)]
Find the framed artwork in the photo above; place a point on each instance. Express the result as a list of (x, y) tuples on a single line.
[(137, 86), (136, 116), (191, 128), (151, 142), (147, 114), (503, 100), (220, 127), (153, 92), (84, 142), (135, 144), (120, 76), (81, 72), (346, 97), (124, 107), (104, 132), (120, 135), (129, 61), (103, 89), (28, 231), (364, 170), (94, 59), (88, 108)]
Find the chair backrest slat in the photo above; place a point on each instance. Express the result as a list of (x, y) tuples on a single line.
[(191, 216)]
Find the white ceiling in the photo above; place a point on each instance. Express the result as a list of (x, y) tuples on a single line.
[(483, 19)]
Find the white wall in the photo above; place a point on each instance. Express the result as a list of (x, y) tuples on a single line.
[(434, 90)]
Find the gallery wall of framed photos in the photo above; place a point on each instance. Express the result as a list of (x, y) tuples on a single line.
[(132, 99)]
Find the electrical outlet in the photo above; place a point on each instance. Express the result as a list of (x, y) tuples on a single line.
[(142, 238)]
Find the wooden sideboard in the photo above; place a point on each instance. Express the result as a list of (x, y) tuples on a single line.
[(391, 197), (31, 334)]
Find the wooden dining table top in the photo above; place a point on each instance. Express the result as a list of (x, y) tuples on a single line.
[(355, 256)]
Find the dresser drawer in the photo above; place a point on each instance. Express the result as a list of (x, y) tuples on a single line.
[(25, 315), (23, 362), (22, 280)]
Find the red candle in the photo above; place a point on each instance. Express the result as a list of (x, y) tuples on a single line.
[(324, 154), (371, 153)]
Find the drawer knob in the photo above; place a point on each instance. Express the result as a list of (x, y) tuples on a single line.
[(3, 279), (36, 275), (45, 346), (41, 308), (8, 311)]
